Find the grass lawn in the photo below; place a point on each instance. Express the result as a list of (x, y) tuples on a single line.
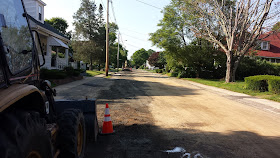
[(238, 86), (94, 73)]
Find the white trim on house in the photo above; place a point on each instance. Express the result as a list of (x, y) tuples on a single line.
[(271, 59), (265, 45)]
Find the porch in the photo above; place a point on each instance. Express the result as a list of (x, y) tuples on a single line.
[(55, 52)]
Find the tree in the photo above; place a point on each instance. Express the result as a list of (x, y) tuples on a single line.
[(161, 60), (58, 23), (153, 58), (89, 42), (140, 57), (234, 26), (113, 54), (157, 59), (276, 27)]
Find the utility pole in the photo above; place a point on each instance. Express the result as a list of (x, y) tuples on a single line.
[(118, 54), (107, 40)]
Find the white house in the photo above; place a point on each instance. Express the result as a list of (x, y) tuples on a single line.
[(52, 41)]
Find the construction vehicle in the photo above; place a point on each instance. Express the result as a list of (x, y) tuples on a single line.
[(33, 125)]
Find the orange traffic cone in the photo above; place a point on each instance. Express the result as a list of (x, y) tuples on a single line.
[(107, 123)]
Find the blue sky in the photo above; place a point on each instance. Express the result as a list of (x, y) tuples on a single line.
[(135, 19)]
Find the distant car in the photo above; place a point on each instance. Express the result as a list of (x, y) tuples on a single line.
[(127, 69)]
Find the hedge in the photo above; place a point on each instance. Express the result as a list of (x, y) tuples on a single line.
[(274, 85), (52, 74), (59, 74), (159, 71), (263, 83)]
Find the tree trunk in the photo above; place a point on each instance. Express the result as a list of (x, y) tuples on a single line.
[(229, 73), (90, 66), (236, 64)]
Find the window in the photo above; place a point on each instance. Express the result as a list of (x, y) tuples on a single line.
[(265, 45), (17, 39), (40, 12)]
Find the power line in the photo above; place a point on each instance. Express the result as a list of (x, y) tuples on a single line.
[(135, 31), (135, 37), (149, 4), (113, 10), (133, 46)]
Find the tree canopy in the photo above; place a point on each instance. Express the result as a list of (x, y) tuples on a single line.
[(58, 23), (230, 26), (233, 26), (140, 56), (276, 27), (90, 36)]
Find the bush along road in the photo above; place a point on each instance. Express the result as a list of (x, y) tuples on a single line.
[(157, 116)]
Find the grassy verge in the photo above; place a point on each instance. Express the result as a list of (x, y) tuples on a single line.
[(94, 73), (238, 86)]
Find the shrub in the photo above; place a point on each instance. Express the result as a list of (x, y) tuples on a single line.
[(274, 85), (250, 66), (258, 83), (174, 74), (70, 71), (159, 71), (142, 67), (52, 74), (76, 72)]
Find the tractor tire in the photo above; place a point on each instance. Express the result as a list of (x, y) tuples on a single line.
[(92, 127), (71, 138), (24, 135)]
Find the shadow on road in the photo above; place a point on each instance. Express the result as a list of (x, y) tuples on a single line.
[(137, 141), (131, 89)]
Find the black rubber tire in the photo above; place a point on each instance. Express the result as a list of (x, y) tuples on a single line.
[(92, 127), (24, 132), (67, 138)]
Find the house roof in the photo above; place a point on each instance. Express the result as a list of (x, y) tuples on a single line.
[(274, 51), (47, 26)]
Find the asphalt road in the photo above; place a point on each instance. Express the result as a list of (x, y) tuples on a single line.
[(153, 113)]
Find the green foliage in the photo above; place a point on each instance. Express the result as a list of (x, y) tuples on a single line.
[(142, 67), (140, 57), (59, 74), (274, 85), (276, 27), (159, 70), (199, 56), (157, 59), (263, 83), (58, 23), (251, 66), (52, 74), (257, 83), (89, 38), (174, 74), (113, 55), (60, 55), (94, 73), (238, 86), (70, 71)]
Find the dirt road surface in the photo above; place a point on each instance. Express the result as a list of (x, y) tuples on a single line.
[(153, 113)]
